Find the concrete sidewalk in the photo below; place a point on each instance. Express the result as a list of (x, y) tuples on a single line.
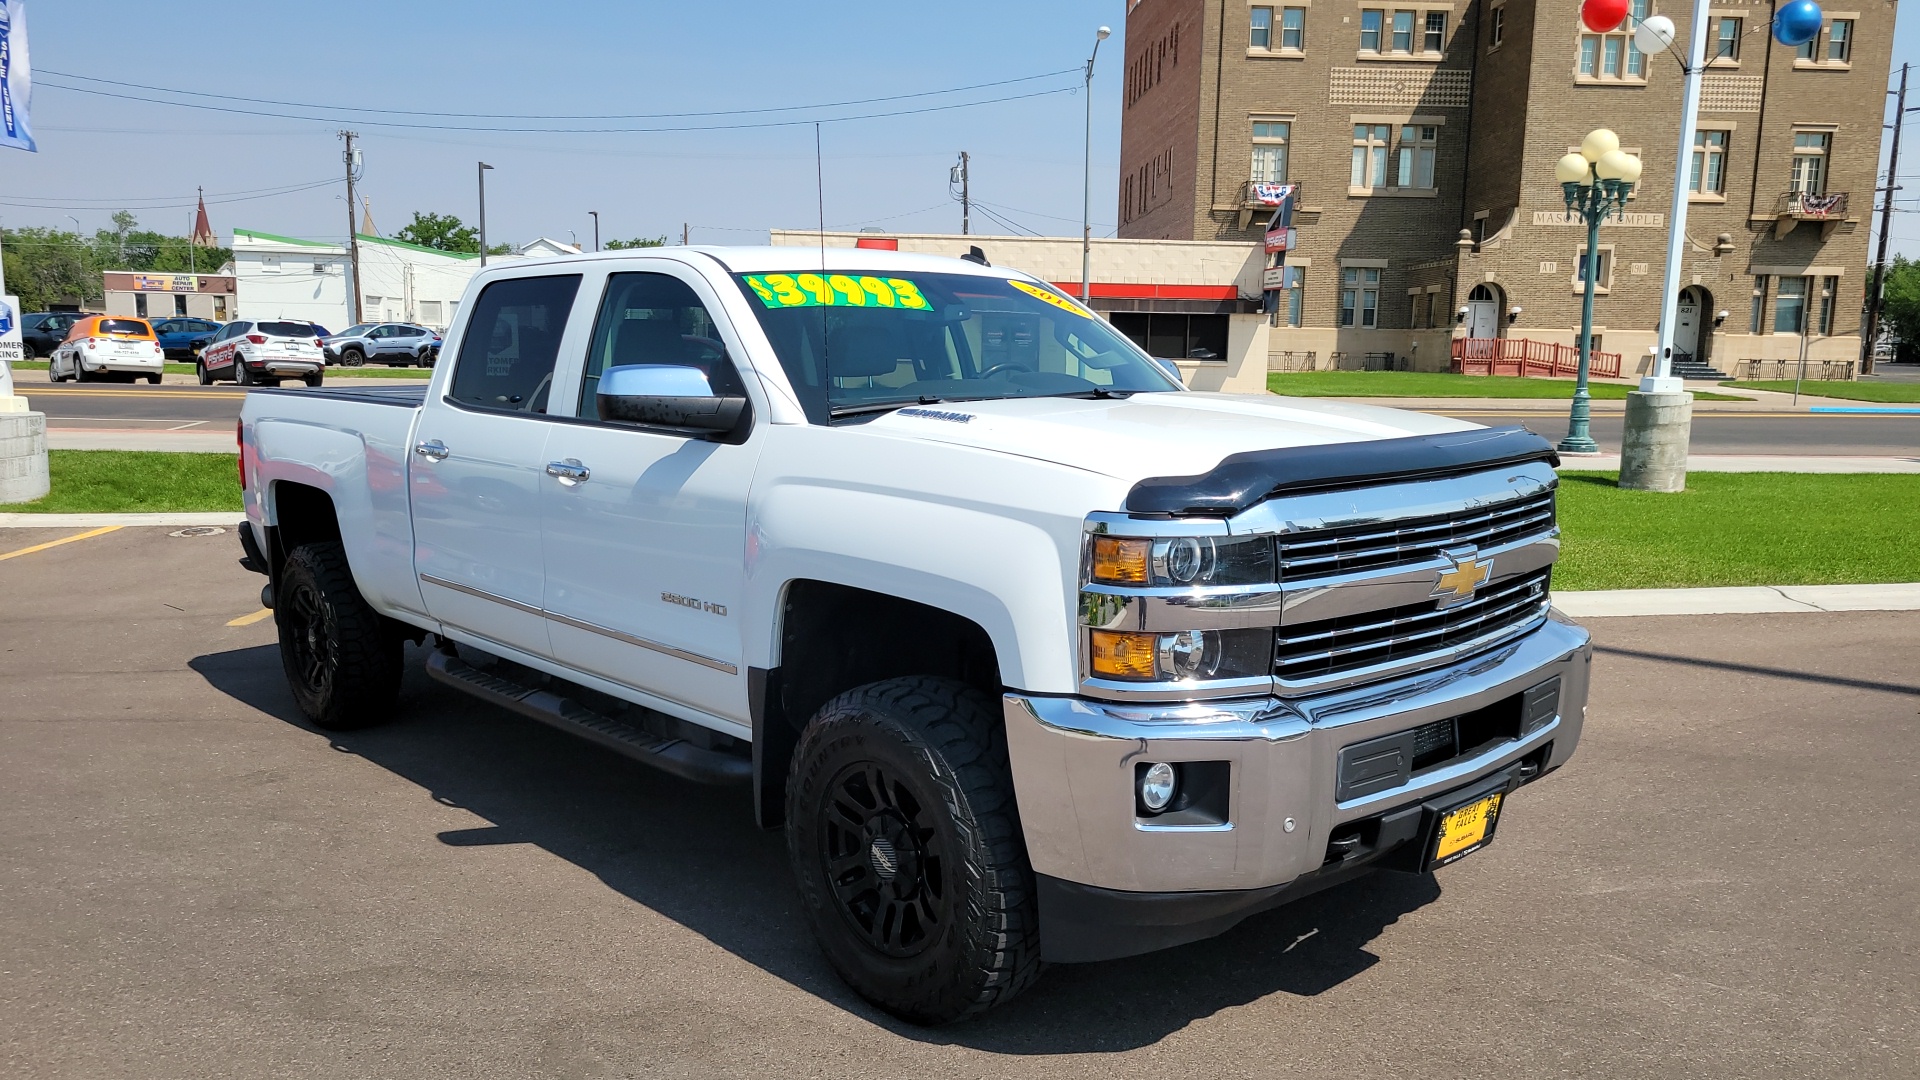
[(97, 521), (1743, 600)]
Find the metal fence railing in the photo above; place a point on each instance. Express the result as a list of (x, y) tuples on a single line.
[(1837, 370), (1293, 360)]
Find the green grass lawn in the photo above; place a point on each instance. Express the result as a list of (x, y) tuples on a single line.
[(1739, 529), (136, 481), (1852, 391), (1440, 384)]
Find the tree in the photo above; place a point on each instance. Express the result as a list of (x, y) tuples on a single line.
[(442, 232), (1900, 304), (48, 266), (623, 245)]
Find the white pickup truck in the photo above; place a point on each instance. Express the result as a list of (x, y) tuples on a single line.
[(1035, 655)]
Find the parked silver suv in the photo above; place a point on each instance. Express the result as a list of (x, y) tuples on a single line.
[(402, 344)]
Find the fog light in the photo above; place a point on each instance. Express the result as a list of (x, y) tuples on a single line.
[(1157, 785)]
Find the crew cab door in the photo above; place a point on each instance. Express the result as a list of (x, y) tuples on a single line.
[(477, 472), (645, 530)]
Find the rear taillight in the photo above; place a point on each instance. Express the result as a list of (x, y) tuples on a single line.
[(319, 344), (240, 438), (89, 343), (257, 339)]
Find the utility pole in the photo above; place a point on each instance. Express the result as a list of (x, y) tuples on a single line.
[(959, 175), (352, 158), (482, 173), (686, 234), (596, 228), (1872, 329)]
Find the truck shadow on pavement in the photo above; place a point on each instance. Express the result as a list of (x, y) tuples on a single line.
[(693, 854)]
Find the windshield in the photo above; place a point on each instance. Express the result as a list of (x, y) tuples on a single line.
[(286, 329), (855, 343), (355, 331)]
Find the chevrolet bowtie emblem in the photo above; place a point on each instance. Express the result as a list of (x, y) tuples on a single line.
[(1461, 580)]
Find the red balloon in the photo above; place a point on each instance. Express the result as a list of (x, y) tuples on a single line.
[(1603, 15)]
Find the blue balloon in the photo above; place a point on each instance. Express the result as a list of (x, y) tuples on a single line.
[(1797, 22)]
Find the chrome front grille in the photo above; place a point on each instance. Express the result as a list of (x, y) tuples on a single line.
[(1325, 552), (1308, 652)]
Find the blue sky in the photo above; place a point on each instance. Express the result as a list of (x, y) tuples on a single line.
[(482, 56)]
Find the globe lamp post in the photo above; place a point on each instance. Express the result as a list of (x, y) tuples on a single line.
[(1596, 182)]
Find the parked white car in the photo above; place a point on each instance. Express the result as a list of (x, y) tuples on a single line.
[(108, 346), (262, 354)]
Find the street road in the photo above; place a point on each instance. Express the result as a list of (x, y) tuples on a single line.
[(190, 408), (1720, 884)]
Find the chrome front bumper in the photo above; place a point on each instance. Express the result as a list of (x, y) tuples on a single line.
[(1073, 767)]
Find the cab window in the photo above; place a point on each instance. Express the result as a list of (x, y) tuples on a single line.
[(651, 318), (508, 351)]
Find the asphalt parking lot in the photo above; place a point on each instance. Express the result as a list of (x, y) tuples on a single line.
[(196, 884)]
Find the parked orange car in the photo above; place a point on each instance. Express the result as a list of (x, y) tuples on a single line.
[(108, 346)]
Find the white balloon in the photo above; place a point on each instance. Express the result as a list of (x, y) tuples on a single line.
[(1653, 34)]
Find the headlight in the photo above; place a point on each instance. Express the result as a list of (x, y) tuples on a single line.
[(1181, 560), (1182, 656)]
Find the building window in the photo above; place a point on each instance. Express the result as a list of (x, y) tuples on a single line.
[(1829, 288), (1790, 305), (140, 304), (269, 264), (1436, 32), (1756, 322), (1603, 279), (1413, 308), (179, 304), (1496, 27), (1296, 295), (1403, 31), (1293, 29), (1262, 29), (1360, 296), (1810, 162), (1726, 39), (1370, 30), (1270, 150), (1840, 41), (1416, 156), (1613, 55), (430, 312), (1369, 156), (1709, 175)]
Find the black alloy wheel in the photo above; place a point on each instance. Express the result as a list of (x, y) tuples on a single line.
[(352, 357), (904, 838), (306, 640), (884, 859), (342, 658)]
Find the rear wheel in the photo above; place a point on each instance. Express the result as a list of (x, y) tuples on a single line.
[(200, 370), (154, 379), (905, 840), (341, 657), (240, 373), (80, 371), (314, 379)]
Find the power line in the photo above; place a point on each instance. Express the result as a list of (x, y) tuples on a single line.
[(150, 198), (566, 116), (271, 194), (760, 124)]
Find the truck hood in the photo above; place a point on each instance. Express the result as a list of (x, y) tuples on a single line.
[(1171, 434)]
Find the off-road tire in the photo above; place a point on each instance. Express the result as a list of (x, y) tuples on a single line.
[(942, 745), (342, 659)]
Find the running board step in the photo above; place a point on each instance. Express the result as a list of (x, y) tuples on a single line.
[(677, 756)]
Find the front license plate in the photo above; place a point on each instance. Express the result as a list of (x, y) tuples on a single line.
[(1466, 829)]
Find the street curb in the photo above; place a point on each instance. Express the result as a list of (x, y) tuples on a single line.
[(1809, 464), (1739, 600), (1864, 410), (94, 521)]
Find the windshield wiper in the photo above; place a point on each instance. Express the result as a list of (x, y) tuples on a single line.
[(1098, 393), (838, 411)]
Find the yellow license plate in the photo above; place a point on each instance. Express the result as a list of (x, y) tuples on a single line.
[(1466, 828)]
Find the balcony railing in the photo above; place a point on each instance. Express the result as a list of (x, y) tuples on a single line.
[(1807, 206), (1524, 356)]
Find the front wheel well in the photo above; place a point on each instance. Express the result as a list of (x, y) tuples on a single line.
[(834, 638)]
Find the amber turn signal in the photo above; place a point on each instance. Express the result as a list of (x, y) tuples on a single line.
[(1123, 656), (1119, 560)]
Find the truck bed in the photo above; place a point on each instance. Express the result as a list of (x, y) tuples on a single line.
[(410, 397)]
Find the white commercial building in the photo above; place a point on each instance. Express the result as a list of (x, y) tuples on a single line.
[(284, 277), (1195, 302)]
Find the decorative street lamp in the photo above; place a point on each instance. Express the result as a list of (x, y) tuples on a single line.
[(1597, 181)]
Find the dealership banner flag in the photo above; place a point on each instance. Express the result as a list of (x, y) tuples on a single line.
[(16, 77)]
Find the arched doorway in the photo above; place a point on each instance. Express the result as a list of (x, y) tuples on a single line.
[(1483, 311), (1693, 328)]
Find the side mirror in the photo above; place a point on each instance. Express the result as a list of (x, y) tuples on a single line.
[(668, 398)]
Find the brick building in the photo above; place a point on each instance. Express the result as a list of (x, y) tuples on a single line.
[(1423, 135)]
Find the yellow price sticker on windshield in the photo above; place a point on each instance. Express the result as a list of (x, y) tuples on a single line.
[(835, 290), (1047, 295)]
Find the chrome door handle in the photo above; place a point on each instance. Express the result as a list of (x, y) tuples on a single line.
[(432, 450), (569, 472)]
